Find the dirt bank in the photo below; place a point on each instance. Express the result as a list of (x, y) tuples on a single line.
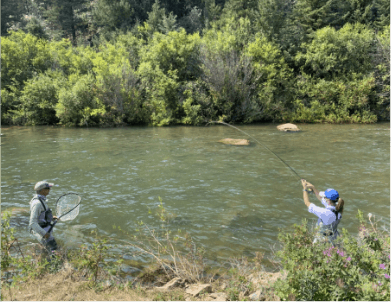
[(68, 285)]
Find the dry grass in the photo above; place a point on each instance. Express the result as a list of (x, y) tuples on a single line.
[(65, 286)]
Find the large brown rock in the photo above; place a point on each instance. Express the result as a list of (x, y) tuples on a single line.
[(235, 142), (196, 289), (170, 285), (288, 127)]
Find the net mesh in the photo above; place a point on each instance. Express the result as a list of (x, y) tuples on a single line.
[(67, 203)]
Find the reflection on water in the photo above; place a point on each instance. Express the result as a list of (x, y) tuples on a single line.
[(231, 199)]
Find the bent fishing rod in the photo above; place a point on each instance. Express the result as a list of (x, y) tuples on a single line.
[(217, 122)]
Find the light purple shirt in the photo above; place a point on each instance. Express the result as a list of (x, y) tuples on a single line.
[(325, 214)]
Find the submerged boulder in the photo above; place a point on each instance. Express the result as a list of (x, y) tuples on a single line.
[(288, 127), (235, 142)]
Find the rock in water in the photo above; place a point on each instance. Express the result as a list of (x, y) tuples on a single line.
[(235, 142), (288, 127)]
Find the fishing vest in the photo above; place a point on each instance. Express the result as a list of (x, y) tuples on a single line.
[(46, 217), (330, 231)]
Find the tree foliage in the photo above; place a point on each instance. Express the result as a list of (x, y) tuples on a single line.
[(165, 62)]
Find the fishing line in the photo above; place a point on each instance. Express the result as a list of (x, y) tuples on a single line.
[(300, 178)]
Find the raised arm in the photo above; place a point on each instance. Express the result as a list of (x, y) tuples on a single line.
[(305, 193)]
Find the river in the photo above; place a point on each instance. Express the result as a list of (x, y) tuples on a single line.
[(233, 200)]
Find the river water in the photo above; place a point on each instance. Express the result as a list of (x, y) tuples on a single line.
[(233, 200)]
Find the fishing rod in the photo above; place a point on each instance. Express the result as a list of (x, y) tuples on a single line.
[(217, 122)]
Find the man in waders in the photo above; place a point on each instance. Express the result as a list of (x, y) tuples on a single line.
[(329, 216), (41, 216)]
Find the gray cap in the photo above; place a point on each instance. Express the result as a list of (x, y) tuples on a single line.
[(42, 185)]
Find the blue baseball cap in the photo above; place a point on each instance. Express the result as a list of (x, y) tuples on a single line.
[(330, 194)]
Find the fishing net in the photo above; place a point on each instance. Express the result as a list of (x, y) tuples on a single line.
[(68, 206)]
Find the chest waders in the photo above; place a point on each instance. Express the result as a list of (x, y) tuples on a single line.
[(44, 220), (46, 217), (330, 231)]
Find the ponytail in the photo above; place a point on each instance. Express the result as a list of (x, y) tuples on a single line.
[(339, 207)]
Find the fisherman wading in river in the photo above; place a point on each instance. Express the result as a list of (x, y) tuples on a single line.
[(329, 216), (41, 216)]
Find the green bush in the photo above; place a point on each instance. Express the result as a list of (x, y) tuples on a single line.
[(39, 98), (77, 103), (197, 104), (71, 60), (9, 104), (161, 94), (91, 259), (121, 92), (274, 80), (176, 51), (355, 269), (337, 101), (381, 59), (15, 264), (23, 56), (334, 53)]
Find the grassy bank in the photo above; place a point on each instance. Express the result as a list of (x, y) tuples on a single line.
[(356, 268)]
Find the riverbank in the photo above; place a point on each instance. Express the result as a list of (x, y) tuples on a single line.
[(69, 285), (357, 268)]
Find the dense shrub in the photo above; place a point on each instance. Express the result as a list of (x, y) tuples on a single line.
[(77, 103), (334, 53), (335, 101), (161, 94), (274, 80), (353, 269), (228, 73), (22, 57), (39, 98), (120, 90), (176, 51)]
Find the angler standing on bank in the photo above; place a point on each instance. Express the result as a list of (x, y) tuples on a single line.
[(329, 216), (41, 216)]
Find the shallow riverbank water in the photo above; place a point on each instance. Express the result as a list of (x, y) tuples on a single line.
[(232, 199)]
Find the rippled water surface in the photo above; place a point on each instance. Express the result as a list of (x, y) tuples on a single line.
[(232, 200)]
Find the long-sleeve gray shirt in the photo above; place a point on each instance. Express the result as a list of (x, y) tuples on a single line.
[(37, 209)]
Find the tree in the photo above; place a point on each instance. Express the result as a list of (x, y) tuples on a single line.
[(64, 16), (35, 27), (361, 11), (273, 17), (158, 21), (193, 21), (111, 15), (211, 12), (312, 15), (11, 13), (382, 8), (240, 8)]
